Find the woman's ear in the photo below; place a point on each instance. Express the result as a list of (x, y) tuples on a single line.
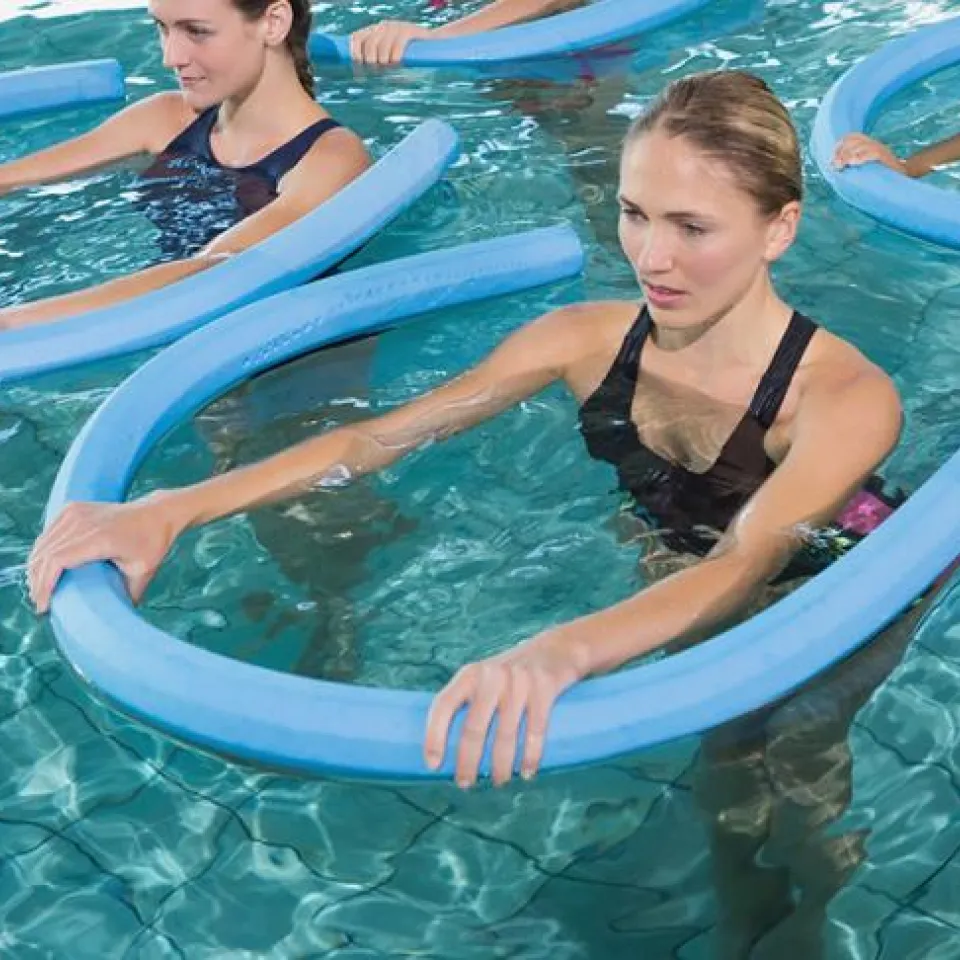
[(782, 231), (277, 21)]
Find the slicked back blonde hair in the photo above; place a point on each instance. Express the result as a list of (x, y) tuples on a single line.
[(734, 117)]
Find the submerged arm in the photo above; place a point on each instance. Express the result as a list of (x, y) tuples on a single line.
[(137, 535), (839, 437), (142, 127), (317, 177), (517, 369)]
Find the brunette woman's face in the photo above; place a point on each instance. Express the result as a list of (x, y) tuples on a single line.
[(696, 240), (216, 52)]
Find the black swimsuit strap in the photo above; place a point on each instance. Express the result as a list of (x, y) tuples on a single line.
[(620, 382), (775, 382)]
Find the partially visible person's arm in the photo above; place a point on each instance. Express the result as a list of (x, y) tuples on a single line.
[(332, 163), (384, 43), (143, 127), (840, 436), (137, 535), (856, 149)]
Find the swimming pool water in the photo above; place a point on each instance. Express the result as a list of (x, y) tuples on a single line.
[(115, 841)]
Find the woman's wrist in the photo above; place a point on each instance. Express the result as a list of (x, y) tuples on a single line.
[(571, 643), (179, 508), (913, 167), (449, 30)]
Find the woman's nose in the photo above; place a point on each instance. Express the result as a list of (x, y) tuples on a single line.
[(655, 251), (174, 51)]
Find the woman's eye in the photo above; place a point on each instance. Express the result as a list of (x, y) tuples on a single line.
[(694, 230), (631, 214)]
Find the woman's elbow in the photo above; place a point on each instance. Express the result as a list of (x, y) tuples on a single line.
[(211, 257)]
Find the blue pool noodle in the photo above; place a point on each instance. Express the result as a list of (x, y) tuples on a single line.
[(595, 25), (315, 726), (299, 252), (852, 104), (35, 89)]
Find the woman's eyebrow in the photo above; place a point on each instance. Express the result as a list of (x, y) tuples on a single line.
[(674, 215), (185, 22)]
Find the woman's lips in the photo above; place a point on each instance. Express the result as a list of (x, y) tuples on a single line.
[(661, 296)]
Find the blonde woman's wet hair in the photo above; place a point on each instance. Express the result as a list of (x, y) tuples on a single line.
[(733, 117)]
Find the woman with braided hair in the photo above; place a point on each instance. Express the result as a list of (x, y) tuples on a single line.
[(240, 151)]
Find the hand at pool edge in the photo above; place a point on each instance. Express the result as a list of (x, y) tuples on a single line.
[(856, 149), (134, 536), (383, 44), (523, 682)]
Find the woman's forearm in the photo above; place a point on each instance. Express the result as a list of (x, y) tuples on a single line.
[(15, 174), (104, 295), (325, 462), (937, 155), (694, 600), (502, 13)]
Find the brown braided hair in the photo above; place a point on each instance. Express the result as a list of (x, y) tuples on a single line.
[(296, 38)]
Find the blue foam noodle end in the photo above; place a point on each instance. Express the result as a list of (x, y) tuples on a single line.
[(36, 89)]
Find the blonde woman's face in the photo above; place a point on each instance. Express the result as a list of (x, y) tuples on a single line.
[(215, 51), (695, 239)]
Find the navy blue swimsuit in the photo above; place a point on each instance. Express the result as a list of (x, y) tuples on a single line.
[(192, 198)]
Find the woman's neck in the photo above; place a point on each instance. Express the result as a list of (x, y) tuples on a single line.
[(744, 333), (274, 106)]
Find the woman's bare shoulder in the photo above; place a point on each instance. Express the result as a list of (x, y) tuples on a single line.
[(161, 118), (833, 362), (583, 338), (593, 320), (837, 372)]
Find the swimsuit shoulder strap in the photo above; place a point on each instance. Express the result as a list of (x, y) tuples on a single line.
[(628, 357), (195, 140), (775, 382), (620, 383), (285, 158)]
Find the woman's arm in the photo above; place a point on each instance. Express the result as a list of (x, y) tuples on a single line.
[(839, 437), (939, 154), (857, 148), (384, 43), (137, 535), (332, 163), (143, 127)]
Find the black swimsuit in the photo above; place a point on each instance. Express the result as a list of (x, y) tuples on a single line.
[(192, 198), (690, 509)]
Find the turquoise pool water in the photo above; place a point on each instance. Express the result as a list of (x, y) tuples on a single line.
[(116, 841)]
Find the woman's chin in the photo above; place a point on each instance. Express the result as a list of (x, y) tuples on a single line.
[(197, 98)]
